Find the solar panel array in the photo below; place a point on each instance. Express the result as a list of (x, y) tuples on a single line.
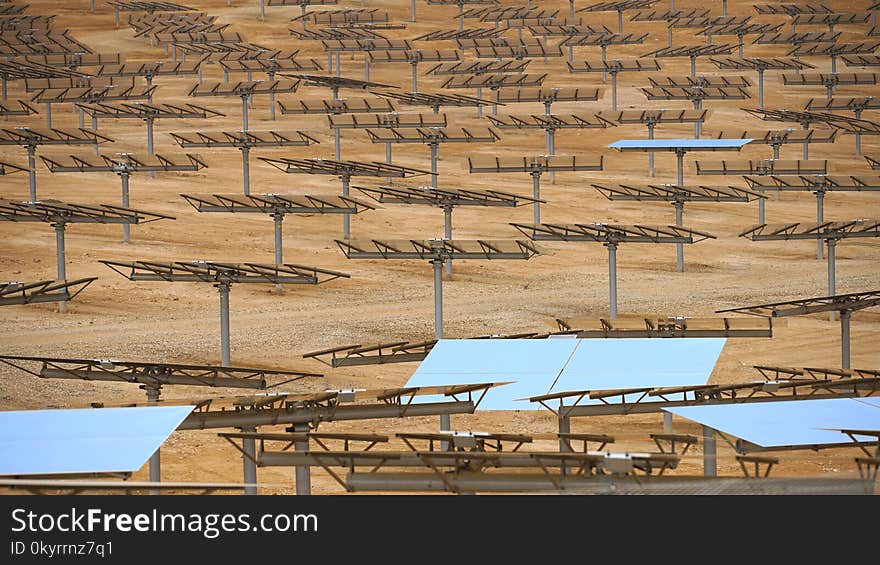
[(508, 56)]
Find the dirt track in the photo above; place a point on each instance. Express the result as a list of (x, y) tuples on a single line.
[(392, 300)]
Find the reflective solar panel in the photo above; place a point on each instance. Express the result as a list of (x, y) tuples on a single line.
[(532, 363), (541, 366), (677, 143), (92, 440), (789, 423), (602, 364)]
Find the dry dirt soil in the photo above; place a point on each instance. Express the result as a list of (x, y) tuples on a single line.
[(392, 300)]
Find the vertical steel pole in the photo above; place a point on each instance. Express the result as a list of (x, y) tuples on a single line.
[(844, 338), (149, 136), (710, 457), (246, 168), (612, 277), (435, 150), (303, 472), (669, 33), (224, 323), (805, 126), (149, 79), (564, 427), (415, 72), (551, 150), (48, 115), (480, 96), (32, 172), (858, 115), (3, 91), (698, 125), (761, 88), (667, 422), (116, 17), (724, 10), (604, 59), (679, 247), (620, 21), (338, 64), (833, 64), (271, 76), (413, 10), (651, 127), (262, 9), (761, 210), (694, 64), (740, 45), (832, 284), (614, 90), (248, 460), (445, 426), (536, 193), (447, 233), (60, 260), (336, 144), (156, 457), (776, 148), (126, 228), (679, 157), (438, 298), (571, 8), (346, 219), (244, 113), (820, 217), (279, 245)]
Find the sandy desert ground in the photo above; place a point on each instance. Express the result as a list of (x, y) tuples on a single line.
[(392, 300)]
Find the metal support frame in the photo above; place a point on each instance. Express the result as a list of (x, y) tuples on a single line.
[(710, 453), (651, 127), (223, 287), (337, 149), (698, 125), (612, 278)]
